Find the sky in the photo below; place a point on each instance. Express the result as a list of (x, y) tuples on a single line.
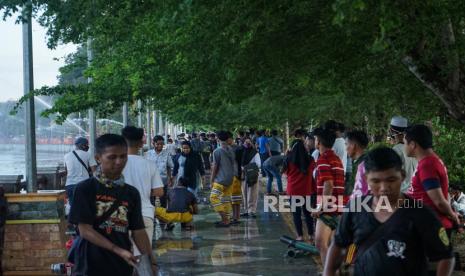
[(11, 61)]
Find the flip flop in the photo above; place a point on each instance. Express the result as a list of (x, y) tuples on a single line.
[(235, 222), (222, 225)]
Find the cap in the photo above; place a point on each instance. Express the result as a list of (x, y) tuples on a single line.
[(399, 121), (81, 141)]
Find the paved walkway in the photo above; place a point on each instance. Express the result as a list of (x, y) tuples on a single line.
[(251, 248)]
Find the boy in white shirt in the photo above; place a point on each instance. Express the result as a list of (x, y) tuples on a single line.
[(143, 175)]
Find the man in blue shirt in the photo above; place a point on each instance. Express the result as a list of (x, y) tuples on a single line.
[(263, 145)]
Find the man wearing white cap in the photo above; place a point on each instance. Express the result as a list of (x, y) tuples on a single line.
[(396, 132)]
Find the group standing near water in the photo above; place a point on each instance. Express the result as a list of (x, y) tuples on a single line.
[(410, 221)]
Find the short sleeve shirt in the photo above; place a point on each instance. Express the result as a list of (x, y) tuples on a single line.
[(402, 250), (276, 144), (223, 158), (409, 164), (179, 200), (236, 165), (262, 142), (144, 176), (329, 168), (162, 160), (75, 170), (430, 168), (91, 200), (361, 187), (339, 149)]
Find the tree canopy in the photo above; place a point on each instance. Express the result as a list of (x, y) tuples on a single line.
[(262, 63)]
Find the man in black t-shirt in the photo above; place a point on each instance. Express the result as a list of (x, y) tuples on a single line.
[(109, 248), (410, 233)]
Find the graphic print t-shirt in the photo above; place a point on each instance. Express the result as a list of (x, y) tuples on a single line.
[(92, 200), (409, 239)]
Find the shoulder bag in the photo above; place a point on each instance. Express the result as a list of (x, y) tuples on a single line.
[(89, 171), (354, 251)]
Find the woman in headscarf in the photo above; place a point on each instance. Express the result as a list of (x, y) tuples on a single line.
[(299, 168), (188, 165), (245, 155)]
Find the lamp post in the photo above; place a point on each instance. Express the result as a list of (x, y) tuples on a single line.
[(28, 80), (92, 119)]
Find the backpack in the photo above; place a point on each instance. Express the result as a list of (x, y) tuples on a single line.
[(251, 172)]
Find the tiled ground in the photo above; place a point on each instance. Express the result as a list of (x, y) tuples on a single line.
[(251, 248)]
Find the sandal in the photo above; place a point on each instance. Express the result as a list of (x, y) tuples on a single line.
[(188, 228), (169, 227), (222, 225)]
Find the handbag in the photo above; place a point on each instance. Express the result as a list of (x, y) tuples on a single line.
[(251, 172), (77, 254)]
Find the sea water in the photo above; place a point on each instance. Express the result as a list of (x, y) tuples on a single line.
[(13, 160)]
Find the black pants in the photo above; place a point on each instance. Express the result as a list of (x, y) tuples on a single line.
[(164, 197), (297, 217)]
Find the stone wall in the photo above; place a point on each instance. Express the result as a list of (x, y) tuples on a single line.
[(34, 235), (33, 247)]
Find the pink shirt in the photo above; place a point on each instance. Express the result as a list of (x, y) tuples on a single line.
[(361, 187)]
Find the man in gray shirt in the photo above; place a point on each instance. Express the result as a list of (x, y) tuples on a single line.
[(276, 143), (222, 178), (272, 167)]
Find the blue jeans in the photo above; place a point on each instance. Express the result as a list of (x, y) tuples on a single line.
[(263, 157), (270, 172), (70, 193)]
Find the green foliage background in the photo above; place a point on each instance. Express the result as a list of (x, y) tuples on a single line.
[(248, 63)]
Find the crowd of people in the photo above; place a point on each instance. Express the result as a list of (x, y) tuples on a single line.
[(330, 167)]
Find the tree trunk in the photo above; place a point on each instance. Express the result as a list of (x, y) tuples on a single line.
[(445, 80)]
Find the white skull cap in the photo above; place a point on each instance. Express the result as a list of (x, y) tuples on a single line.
[(399, 121)]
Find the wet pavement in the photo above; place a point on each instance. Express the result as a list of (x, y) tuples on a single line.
[(251, 248)]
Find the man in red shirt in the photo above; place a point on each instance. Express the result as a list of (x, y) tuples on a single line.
[(430, 183), (329, 182)]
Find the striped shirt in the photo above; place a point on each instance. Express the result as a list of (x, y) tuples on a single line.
[(329, 168)]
